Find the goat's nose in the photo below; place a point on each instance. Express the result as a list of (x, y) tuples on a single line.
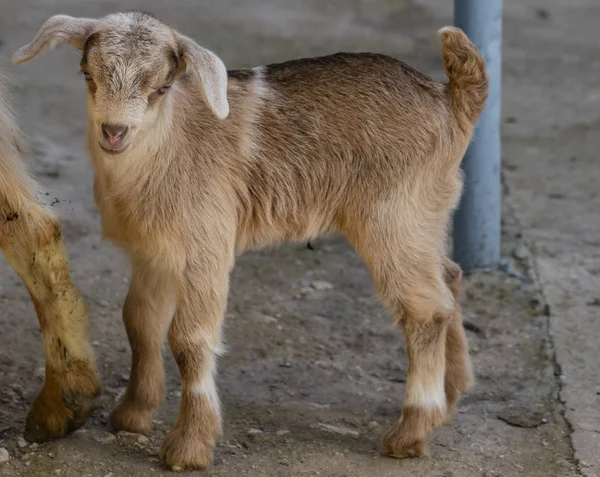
[(114, 133)]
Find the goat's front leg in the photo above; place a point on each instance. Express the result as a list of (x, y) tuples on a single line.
[(147, 312), (195, 340), (33, 246)]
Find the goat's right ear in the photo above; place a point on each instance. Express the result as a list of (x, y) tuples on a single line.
[(209, 69), (57, 30)]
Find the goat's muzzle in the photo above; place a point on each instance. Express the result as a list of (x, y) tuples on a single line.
[(113, 137)]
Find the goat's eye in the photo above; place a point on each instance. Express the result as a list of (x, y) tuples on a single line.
[(87, 76), (163, 90)]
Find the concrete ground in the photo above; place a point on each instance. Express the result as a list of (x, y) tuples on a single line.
[(315, 371)]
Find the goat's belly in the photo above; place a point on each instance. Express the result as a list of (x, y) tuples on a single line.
[(265, 231)]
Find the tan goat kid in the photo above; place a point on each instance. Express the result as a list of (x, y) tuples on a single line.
[(195, 164), (30, 239)]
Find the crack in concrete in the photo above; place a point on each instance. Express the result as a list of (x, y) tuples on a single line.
[(533, 271)]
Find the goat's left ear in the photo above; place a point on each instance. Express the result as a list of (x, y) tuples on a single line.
[(55, 31), (209, 70)]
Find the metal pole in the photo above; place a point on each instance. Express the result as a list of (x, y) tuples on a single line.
[(476, 235)]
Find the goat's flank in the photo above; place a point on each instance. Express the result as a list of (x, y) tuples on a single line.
[(194, 165)]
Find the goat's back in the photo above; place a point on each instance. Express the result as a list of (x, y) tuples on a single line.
[(329, 135)]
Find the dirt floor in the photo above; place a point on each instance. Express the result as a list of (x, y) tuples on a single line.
[(315, 370)]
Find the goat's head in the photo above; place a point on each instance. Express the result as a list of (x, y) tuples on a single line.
[(129, 61)]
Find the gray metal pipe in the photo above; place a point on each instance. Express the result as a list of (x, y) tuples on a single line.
[(476, 234)]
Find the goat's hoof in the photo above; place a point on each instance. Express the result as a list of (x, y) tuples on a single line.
[(129, 417), (399, 443), (450, 412), (183, 451), (56, 413), (453, 394)]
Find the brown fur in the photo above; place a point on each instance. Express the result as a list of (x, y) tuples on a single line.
[(407, 437), (459, 372), (147, 311), (31, 241), (359, 144)]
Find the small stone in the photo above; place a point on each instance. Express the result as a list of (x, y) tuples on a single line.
[(343, 431), (21, 443), (373, 425), (132, 439), (4, 455), (267, 319), (253, 432), (321, 285), (317, 405), (40, 373), (104, 438), (95, 344), (359, 371), (282, 432), (520, 252), (304, 291), (522, 417)]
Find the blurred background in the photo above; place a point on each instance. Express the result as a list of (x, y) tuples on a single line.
[(315, 371)]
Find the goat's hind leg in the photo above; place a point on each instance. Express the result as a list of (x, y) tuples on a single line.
[(459, 371), (424, 315), (408, 274)]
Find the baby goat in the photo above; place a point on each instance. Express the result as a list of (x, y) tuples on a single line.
[(30, 239), (194, 165)]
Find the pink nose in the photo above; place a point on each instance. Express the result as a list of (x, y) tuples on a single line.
[(114, 133)]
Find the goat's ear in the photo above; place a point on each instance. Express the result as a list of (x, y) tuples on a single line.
[(57, 30), (209, 69)]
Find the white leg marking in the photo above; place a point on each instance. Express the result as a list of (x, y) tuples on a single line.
[(426, 392)]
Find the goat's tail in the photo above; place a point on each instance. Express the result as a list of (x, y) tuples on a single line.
[(466, 71)]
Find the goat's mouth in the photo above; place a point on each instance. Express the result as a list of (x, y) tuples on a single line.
[(113, 151)]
